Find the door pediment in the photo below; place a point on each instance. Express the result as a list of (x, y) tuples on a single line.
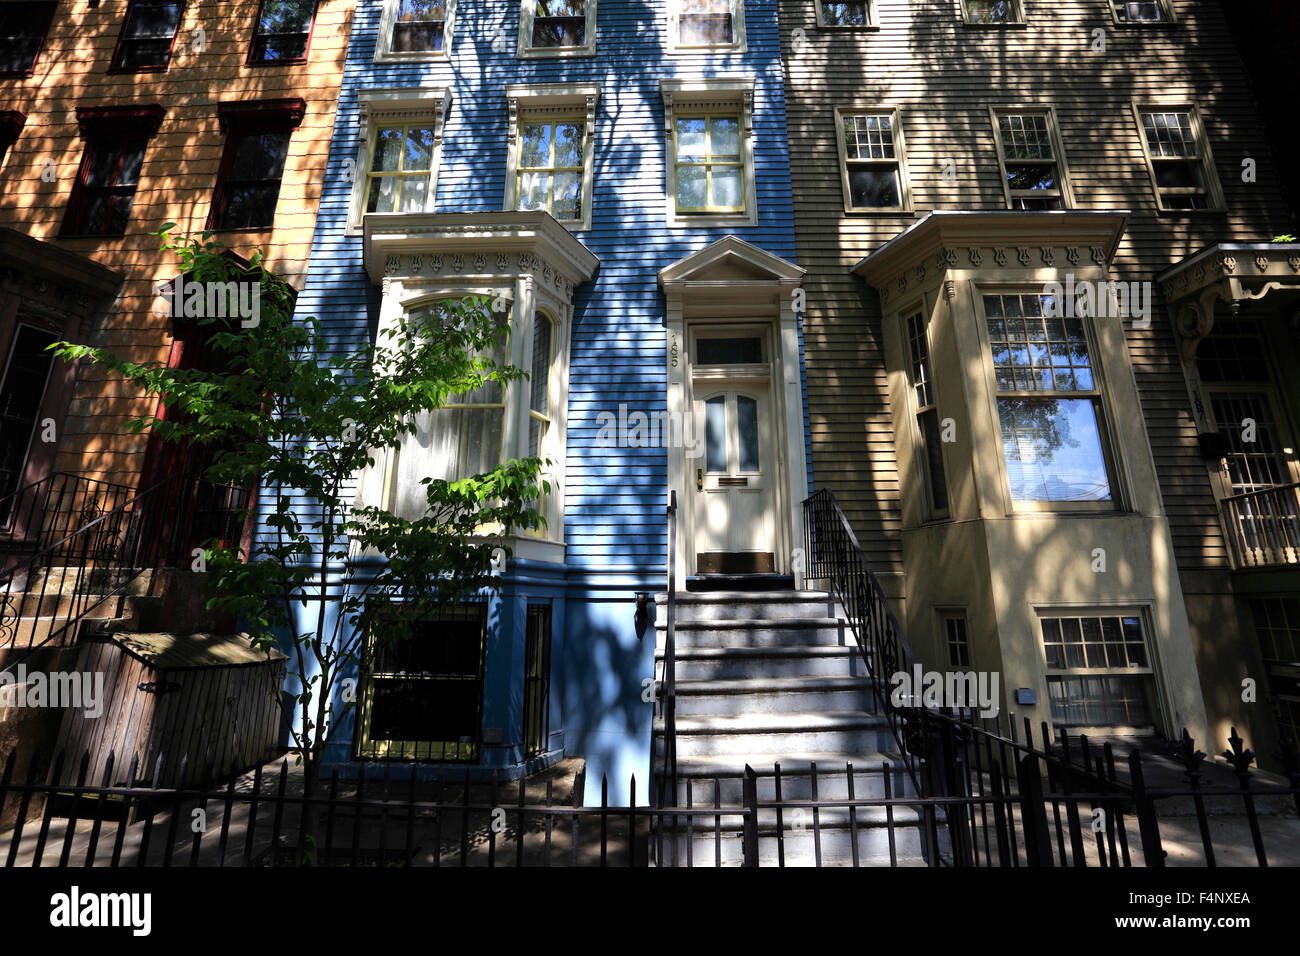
[(730, 259)]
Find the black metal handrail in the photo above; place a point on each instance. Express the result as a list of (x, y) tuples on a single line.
[(667, 695), (157, 527), (40, 513), (834, 555), (1264, 526)]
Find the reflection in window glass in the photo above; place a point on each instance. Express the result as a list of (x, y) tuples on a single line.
[(747, 429), (419, 26), (1053, 450), (715, 435), (746, 351)]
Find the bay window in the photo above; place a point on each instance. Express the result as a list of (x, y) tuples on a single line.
[(1049, 404)]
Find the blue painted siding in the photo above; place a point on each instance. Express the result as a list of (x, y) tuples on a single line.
[(614, 504)]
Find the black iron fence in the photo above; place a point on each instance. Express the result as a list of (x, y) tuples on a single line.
[(995, 797)]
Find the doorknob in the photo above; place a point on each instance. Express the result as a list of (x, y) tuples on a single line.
[(699, 479)]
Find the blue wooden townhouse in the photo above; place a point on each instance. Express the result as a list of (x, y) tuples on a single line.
[(619, 176)]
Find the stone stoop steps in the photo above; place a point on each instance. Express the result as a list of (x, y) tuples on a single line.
[(776, 677)]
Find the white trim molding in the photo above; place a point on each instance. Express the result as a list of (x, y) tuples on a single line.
[(731, 281), (421, 104), (738, 42), (558, 100), (722, 93), (526, 50)]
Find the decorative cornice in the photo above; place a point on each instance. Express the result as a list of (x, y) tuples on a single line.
[(262, 114), (133, 120)]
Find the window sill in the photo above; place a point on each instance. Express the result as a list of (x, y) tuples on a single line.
[(561, 52), (127, 71), (895, 212), (737, 48), (420, 56), (296, 62), (835, 28), (677, 220), (1014, 25)]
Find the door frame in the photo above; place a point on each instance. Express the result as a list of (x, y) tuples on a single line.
[(734, 284)]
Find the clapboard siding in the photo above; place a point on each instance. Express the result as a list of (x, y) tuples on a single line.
[(176, 180), (614, 497), (943, 77)]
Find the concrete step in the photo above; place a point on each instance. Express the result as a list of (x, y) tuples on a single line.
[(69, 579), (774, 695), (54, 604), (707, 780), (737, 663), (758, 632), (746, 605), (33, 631), (797, 842), (760, 735)]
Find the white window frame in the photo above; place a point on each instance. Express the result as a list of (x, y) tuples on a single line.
[(383, 53), (526, 50), (738, 44), (1209, 170), (871, 24), (1017, 20), (1167, 16), (558, 100), (900, 156), (392, 107), (930, 509), (1146, 618), (722, 94), (1100, 394), (1058, 159)]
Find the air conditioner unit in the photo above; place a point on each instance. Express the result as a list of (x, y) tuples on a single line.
[(1142, 12)]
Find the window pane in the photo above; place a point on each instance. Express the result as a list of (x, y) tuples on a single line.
[(250, 206), (535, 145), (690, 139), (1169, 134), (419, 149), (1053, 450), (22, 28), (414, 192), (691, 187), (1177, 175), (418, 26), (850, 14), (567, 201), (990, 11), (724, 138), (874, 187), (559, 23), (260, 156), (283, 29), (533, 190), (387, 151), (726, 190), (933, 450), (705, 22), (568, 144), (1021, 177), (746, 351), (383, 195), (715, 435), (747, 423), (1025, 136)]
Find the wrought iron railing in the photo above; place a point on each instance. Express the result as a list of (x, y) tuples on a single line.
[(666, 698), (834, 556), (1264, 527), (46, 596), (43, 512)]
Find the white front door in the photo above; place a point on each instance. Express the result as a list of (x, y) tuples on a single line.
[(735, 527)]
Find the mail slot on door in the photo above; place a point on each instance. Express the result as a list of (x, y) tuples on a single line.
[(725, 482)]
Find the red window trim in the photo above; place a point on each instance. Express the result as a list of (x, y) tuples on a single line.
[(237, 119), (11, 127), (252, 40), (114, 65), (51, 5), (100, 124)]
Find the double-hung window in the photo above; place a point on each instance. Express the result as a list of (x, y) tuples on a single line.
[(871, 156), (557, 27), (282, 31), (550, 162), (147, 36), (1029, 155), (415, 30), (1177, 158), (104, 191), (921, 379), (252, 167), (399, 151), (992, 12), (1153, 11), (1049, 404), (710, 172), (1098, 671), (704, 25), (23, 27), (845, 14)]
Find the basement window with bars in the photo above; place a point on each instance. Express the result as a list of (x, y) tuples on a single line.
[(992, 12), (1030, 159), (422, 694), (148, 34), (921, 378), (1098, 672), (871, 153), (1049, 402), (23, 27), (1174, 142), (282, 32)]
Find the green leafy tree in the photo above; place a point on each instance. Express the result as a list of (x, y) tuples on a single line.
[(294, 413)]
